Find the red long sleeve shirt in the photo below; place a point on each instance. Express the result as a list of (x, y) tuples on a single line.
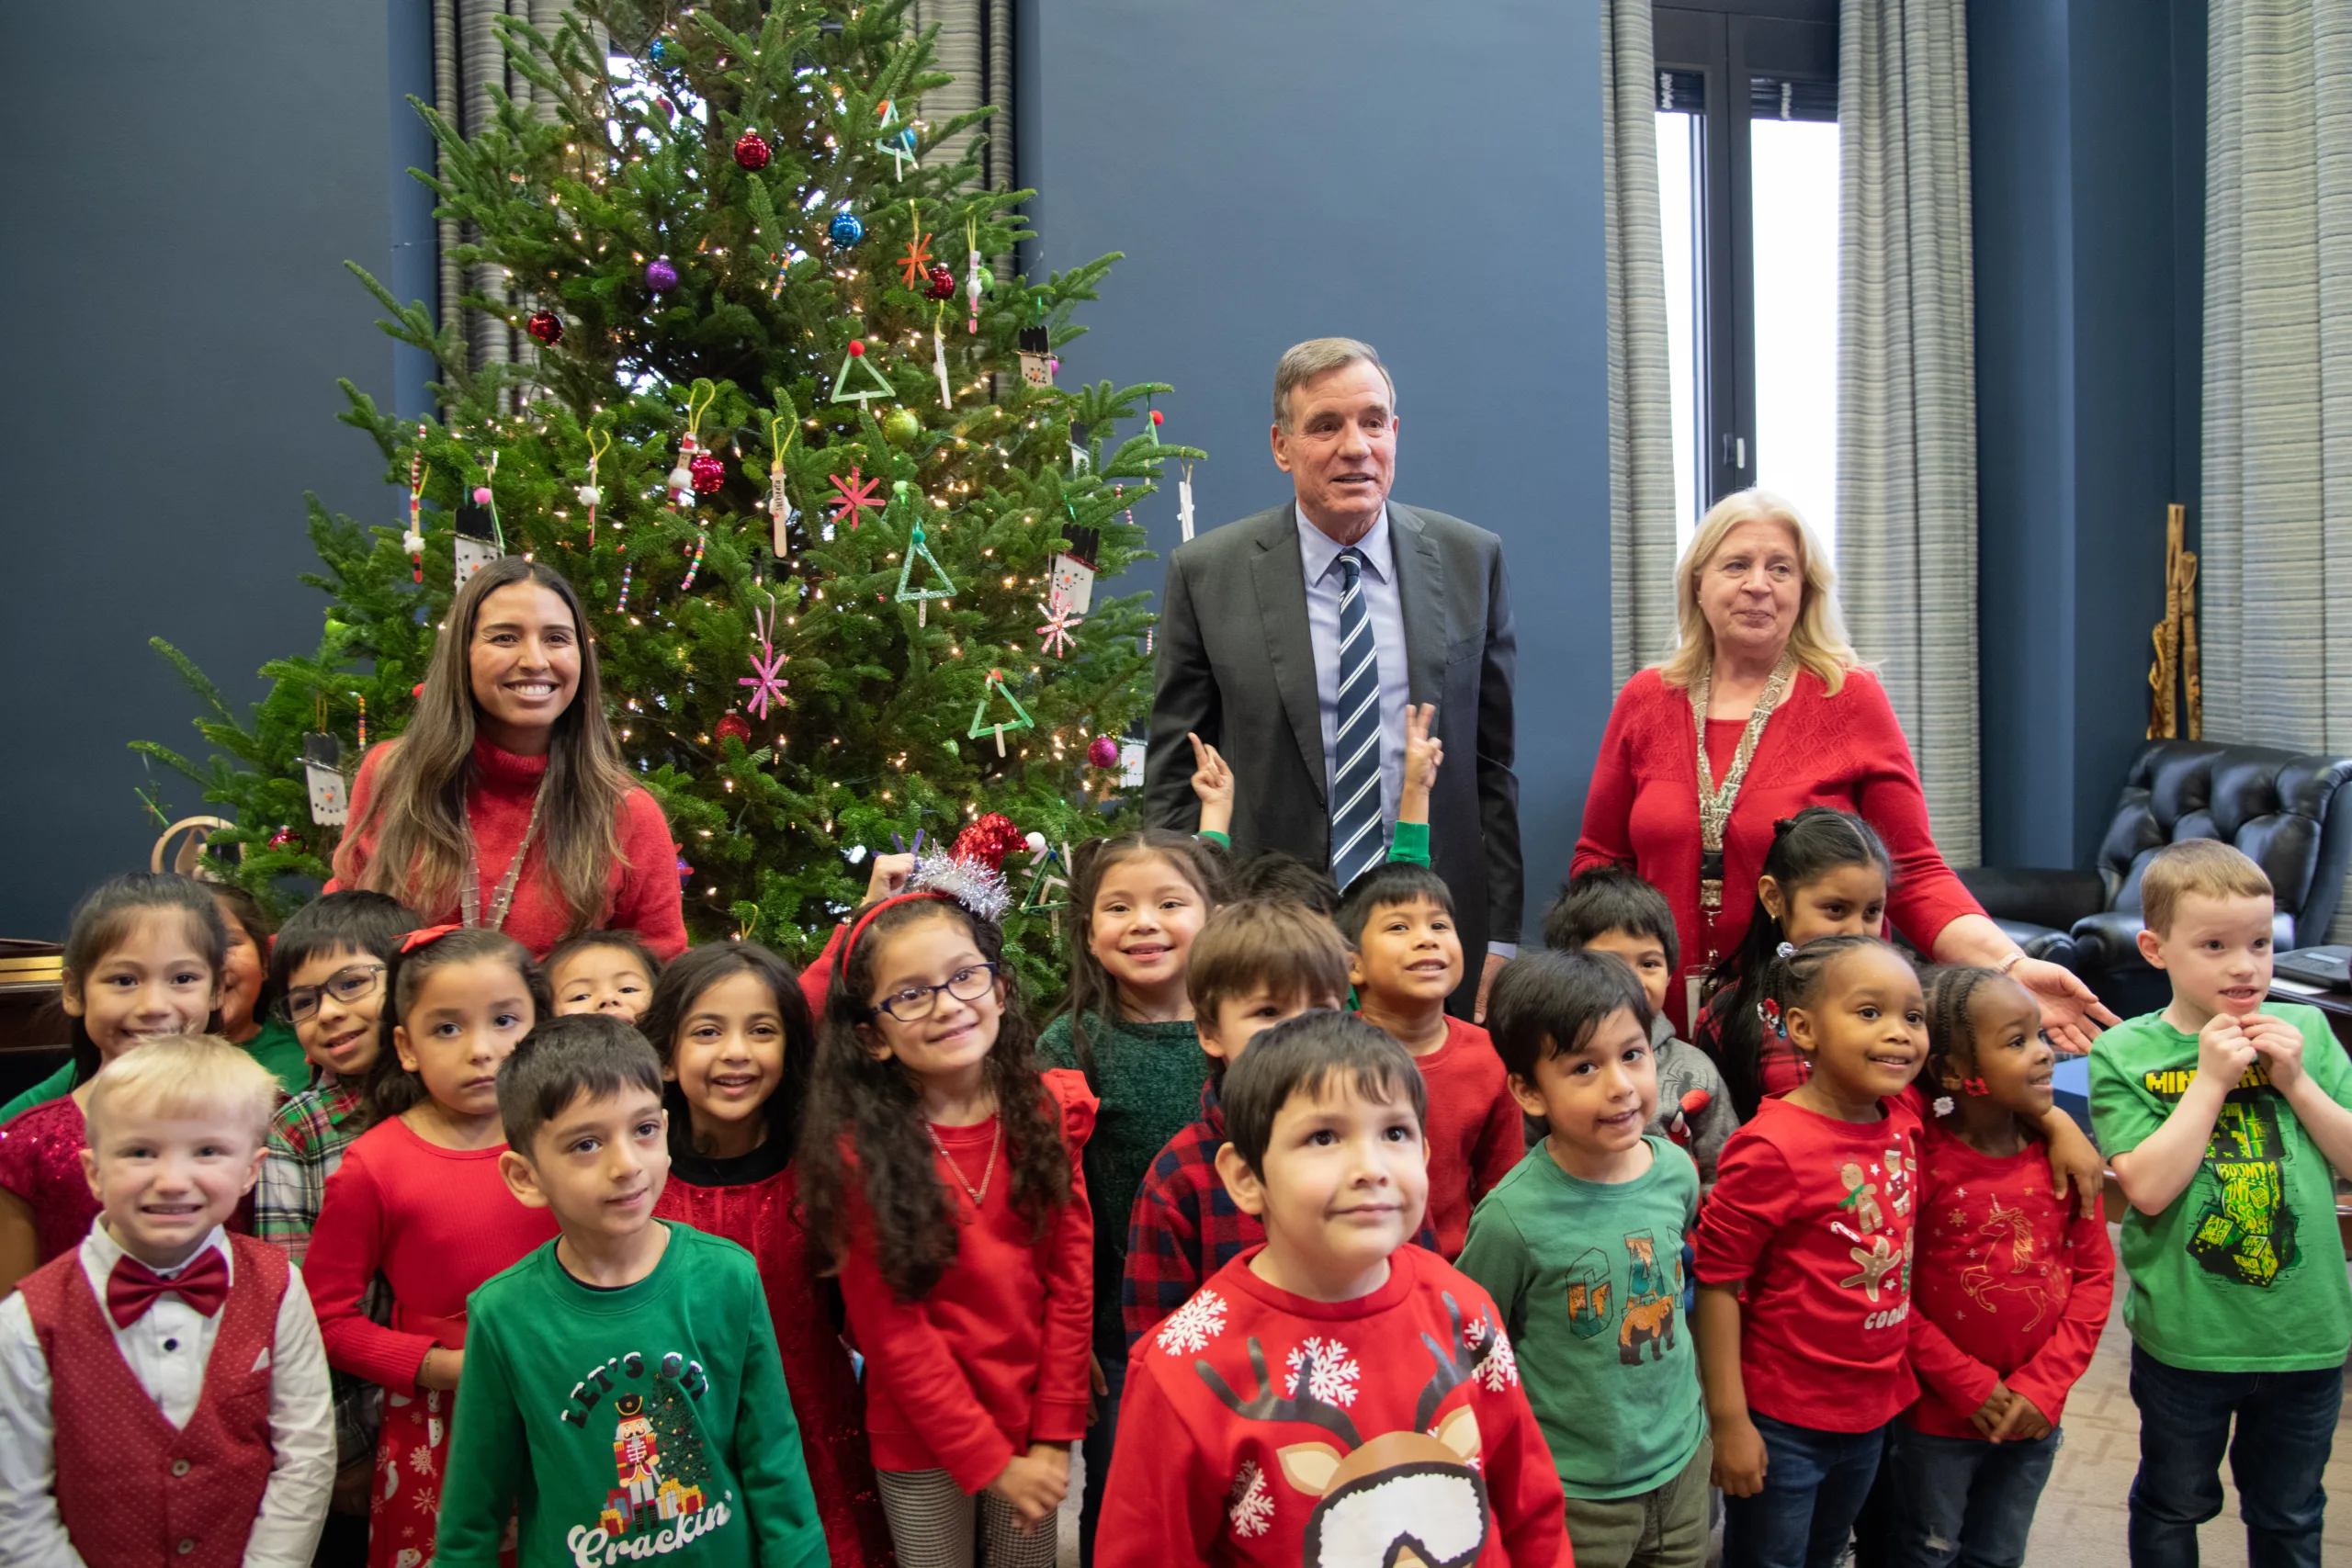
[(1846, 751), (1259, 1427), (641, 895), (994, 1357), (2012, 1285), (1815, 1216), (1475, 1131), (436, 1223)]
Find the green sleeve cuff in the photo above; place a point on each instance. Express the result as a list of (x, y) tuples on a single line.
[(1411, 843), (1222, 841)]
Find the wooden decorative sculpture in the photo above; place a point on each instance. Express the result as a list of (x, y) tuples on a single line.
[(2176, 700)]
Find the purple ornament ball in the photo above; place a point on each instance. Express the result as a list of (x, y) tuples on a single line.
[(659, 276), (1103, 752)]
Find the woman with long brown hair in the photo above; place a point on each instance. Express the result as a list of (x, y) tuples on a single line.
[(505, 803)]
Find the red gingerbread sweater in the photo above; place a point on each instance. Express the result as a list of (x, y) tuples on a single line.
[(1259, 1427), (1475, 1134), (1845, 751), (2012, 1285), (1815, 1216), (641, 896), (994, 1356)]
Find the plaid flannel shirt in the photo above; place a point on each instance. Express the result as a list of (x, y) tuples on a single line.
[(307, 1140), (1186, 1226)]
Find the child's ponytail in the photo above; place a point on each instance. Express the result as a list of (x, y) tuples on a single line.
[(1806, 847)]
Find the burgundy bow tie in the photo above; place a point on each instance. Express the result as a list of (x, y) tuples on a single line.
[(133, 1287)]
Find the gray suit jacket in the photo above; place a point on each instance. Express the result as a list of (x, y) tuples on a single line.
[(1236, 664)]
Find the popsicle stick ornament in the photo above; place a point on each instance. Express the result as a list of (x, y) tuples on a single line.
[(414, 540), (917, 549), (997, 687)]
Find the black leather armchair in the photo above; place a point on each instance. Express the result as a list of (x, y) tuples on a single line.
[(2288, 811)]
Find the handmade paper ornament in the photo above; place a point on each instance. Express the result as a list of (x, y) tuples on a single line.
[(845, 231), (1049, 877), (917, 549), (414, 540), (1060, 621), (939, 355), (972, 284), (475, 544), (681, 486), (852, 498), (897, 141), (599, 439), (1020, 719), (323, 772), (1036, 346), (1131, 756), (766, 679), (1185, 501), (781, 513), (1073, 577), (875, 384)]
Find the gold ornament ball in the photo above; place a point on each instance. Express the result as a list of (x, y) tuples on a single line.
[(902, 427)]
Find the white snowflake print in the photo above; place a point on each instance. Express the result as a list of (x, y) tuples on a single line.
[(1499, 1369), (1253, 1505), (1191, 1326), (1331, 1377)]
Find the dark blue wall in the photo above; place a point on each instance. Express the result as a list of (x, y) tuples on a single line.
[(185, 184), (2086, 140), (1426, 179)]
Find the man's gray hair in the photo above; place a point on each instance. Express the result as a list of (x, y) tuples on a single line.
[(1304, 361)]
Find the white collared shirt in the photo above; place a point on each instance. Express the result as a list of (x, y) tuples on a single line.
[(167, 1350), (1384, 603)]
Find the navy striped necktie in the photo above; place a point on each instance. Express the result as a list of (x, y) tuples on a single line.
[(1356, 841)]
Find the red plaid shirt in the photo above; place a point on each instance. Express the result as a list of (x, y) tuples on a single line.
[(1185, 1226)]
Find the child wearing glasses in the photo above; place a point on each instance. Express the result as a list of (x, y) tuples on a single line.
[(944, 1174)]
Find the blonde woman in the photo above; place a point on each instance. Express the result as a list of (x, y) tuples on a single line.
[(1789, 720), (505, 803)]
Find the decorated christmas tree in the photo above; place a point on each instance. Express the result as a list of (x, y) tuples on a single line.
[(791, 428)]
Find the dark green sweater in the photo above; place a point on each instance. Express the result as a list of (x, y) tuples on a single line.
[(1148, 1076)]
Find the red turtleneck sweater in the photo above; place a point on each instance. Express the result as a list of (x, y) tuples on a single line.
[(641, 895)]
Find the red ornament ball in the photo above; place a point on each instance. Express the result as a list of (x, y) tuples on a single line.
[(989, 840), (750, 151), (545, 326), (1159, 418), (282, 839), (856, 348), (734, 726), (709, 473), (942, 282), (1103, 752)]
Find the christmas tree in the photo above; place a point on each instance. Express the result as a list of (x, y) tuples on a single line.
[(791, 436)]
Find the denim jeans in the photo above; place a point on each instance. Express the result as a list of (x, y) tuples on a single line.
[(1963, 1500), (1097, 1449), (1814, 1485), (2285, 1423)]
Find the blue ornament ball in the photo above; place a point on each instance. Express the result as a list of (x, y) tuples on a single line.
[(846, 230), (657, 52)]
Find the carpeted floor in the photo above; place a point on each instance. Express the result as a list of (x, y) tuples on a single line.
[(2081, 1521)]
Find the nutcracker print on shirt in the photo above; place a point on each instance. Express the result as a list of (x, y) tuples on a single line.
[(1874, 1217), (658, 1498)]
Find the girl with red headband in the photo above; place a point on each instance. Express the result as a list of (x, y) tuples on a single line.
[(418, 1200), (945, 1176)]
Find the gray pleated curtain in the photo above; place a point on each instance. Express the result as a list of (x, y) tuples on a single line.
[(1642, 524), (2276, 559), (1906, 387)]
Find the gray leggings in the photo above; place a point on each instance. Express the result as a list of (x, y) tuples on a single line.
[(932, 1524)]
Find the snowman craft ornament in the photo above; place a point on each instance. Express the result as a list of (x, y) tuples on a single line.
[(323, 771)]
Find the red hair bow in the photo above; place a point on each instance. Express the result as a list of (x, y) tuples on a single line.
[(426, 937)]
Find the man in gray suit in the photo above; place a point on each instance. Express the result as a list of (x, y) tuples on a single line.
[(1293, 640)]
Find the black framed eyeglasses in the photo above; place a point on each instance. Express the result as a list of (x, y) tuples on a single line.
[(346, 986), (912, 1004)]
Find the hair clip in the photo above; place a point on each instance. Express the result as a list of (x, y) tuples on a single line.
[(1942, 1106), (1786, 949), (426, 937), (1974, 1086), (1768, 1011)]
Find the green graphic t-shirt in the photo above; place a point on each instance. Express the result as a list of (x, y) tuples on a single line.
[(1588, 1277), (647, 1424), (2244, 1271)]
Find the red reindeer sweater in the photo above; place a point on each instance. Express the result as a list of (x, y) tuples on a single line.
[(1259, 1427)]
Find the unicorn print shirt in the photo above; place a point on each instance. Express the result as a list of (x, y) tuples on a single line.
[(1815, 1216), (2013, 1285)]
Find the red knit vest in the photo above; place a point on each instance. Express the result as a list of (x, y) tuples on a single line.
[(135, 1492)]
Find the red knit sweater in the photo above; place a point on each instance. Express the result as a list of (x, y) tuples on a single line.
[(994, 1357), (641, 895), (1846, 751), (1475, 1131)]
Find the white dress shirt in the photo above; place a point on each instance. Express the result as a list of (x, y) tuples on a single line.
[(1319, 557), (167, 1350)]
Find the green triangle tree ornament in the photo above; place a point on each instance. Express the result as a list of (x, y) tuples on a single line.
[(982, 726), (918, 550), (854, 364)]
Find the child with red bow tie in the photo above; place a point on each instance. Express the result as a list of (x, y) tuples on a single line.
[(163, 1387)]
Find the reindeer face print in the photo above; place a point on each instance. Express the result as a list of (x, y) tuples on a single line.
[(1407, 1499)]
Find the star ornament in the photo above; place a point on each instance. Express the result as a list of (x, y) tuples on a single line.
[(852, 497), (916, 263), (1060, 621), (766, 679)]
